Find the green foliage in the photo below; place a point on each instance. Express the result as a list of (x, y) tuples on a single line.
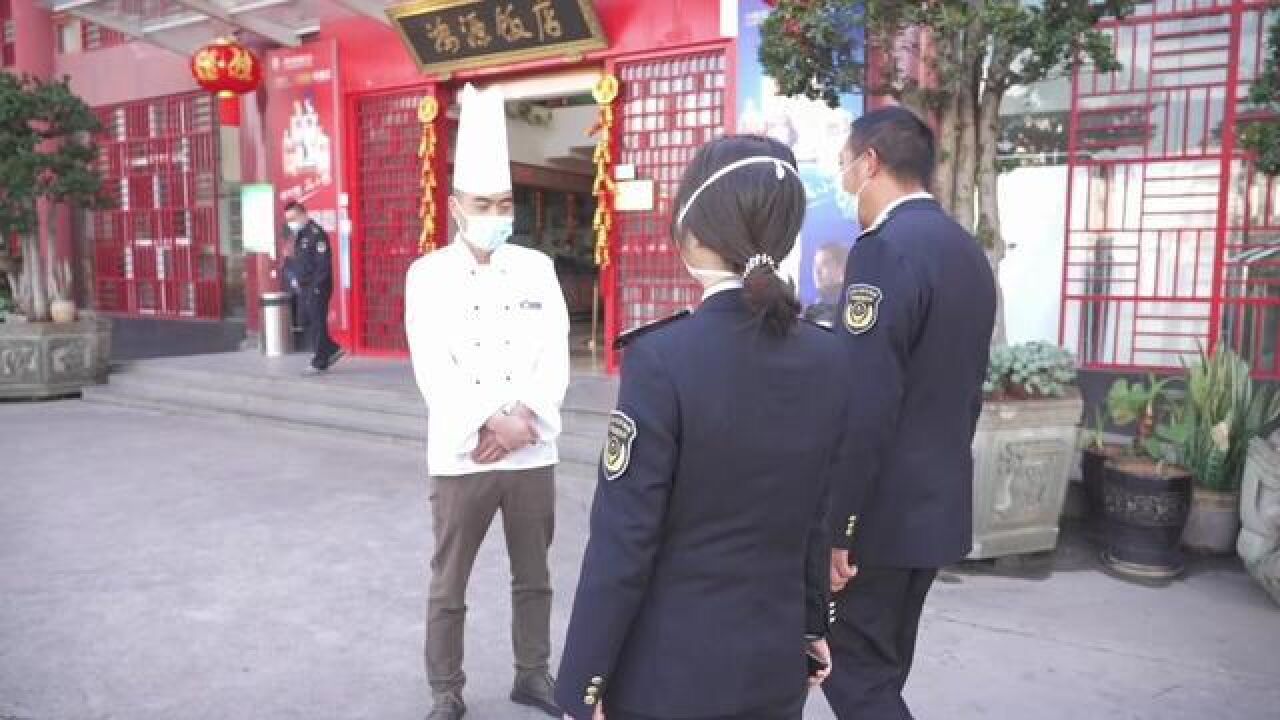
[(46, 150), (1226, 409), (47, 153), (1261, 135), (1033, 369), (1157, 416), (1127, 403), (812, 48)]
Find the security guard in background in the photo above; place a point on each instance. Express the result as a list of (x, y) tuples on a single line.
[(918, 311), (704, 584), (314, 257)]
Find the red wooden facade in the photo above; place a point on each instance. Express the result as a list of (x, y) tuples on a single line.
[(1173, 238), (671, 101), (157, 253)]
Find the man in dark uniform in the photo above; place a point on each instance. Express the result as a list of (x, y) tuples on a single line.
[(314, 255), (917, 316)]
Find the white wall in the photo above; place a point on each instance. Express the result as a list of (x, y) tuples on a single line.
[(1033, 213)]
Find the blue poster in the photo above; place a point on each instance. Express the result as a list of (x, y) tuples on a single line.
[(815, 133)]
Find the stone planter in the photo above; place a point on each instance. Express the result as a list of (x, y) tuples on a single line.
[(1023, 453), (1259, 544), (1214, 522), (48, 360), (1146, 505)]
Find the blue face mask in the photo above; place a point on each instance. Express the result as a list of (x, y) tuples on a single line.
[(487, 233)]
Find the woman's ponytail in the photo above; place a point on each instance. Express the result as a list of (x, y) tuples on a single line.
[(769, 296)]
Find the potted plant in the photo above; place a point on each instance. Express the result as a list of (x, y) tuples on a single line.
[(1023, 449), (1095, 451), (48, 161), (1227, 410), (1146, 495)]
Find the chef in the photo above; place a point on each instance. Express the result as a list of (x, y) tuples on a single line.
[(488, 334)]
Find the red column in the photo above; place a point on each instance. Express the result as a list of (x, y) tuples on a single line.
[(34, 50), (34, 55)]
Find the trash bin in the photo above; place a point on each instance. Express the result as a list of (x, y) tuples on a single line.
[(277, 326)]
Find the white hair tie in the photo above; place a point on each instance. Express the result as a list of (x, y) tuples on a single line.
[(780, 170), (756, 262)]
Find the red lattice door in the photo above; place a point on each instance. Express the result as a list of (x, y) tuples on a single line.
[(387, 223), (668, 108), (157, 252), (1170, 233)]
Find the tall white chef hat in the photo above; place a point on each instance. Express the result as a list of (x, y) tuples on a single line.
[(481, 164)]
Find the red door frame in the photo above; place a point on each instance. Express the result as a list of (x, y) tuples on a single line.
[(443, 92)]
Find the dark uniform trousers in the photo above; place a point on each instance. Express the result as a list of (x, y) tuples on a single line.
[(316, 316), (462, 509), (873, 640)]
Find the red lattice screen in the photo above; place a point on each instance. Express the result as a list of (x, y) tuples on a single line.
[(669, 107), (157, 253), (388, 176), (1157, 218), (8, 35)]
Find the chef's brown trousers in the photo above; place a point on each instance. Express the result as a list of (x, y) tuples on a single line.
[(462, 508)]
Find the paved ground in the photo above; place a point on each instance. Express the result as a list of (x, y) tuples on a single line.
[(155, 567)]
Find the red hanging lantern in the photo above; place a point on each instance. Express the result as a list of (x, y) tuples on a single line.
[(228, 69)]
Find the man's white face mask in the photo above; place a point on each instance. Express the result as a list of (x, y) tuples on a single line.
[(854, 196)]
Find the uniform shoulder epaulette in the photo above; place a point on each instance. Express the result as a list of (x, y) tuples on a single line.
[(815, 323), (629, 336)]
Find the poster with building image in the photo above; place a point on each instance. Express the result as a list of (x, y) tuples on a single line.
[(815, 133)]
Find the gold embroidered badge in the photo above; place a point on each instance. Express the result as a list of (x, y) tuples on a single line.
[(862, 308), (617, 451)]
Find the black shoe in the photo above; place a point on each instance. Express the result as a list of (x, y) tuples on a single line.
[(537, 690), (334, 358), (448, 706)]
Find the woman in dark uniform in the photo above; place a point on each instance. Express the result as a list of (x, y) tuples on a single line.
[(705, 579)]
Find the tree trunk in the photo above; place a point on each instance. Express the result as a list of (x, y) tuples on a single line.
[(944, 175), (988, 227), (966, 161), (33, 266)]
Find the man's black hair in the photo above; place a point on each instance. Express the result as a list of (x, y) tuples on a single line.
[(903, 143)]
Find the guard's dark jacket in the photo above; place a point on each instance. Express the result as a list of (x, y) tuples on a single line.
[(916, 320), (315, 258), (708, 559)]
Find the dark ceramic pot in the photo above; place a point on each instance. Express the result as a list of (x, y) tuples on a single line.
[(1145, 506), (1093, 464)]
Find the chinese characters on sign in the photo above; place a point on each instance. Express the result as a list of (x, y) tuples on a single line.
[(445, 35)]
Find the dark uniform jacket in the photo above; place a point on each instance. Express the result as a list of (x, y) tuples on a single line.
[(917, 319), (708, 558), (314, 258)]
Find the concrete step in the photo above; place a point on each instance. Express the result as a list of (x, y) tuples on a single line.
[(388, 415), (587, 395)]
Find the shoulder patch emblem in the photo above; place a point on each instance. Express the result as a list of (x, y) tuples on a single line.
[(862, 308), (617, 450)]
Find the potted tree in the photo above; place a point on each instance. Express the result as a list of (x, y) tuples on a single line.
[(1146, 495), (48, 160), (1023, 449), (1227, 411)]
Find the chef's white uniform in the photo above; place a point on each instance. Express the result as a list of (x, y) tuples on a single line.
[(483, 337)]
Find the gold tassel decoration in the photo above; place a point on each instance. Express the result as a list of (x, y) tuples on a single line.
[(428, 110), (605, 92)]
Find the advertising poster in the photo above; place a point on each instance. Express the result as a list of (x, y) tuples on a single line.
[(815, 133), (303, 116)]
